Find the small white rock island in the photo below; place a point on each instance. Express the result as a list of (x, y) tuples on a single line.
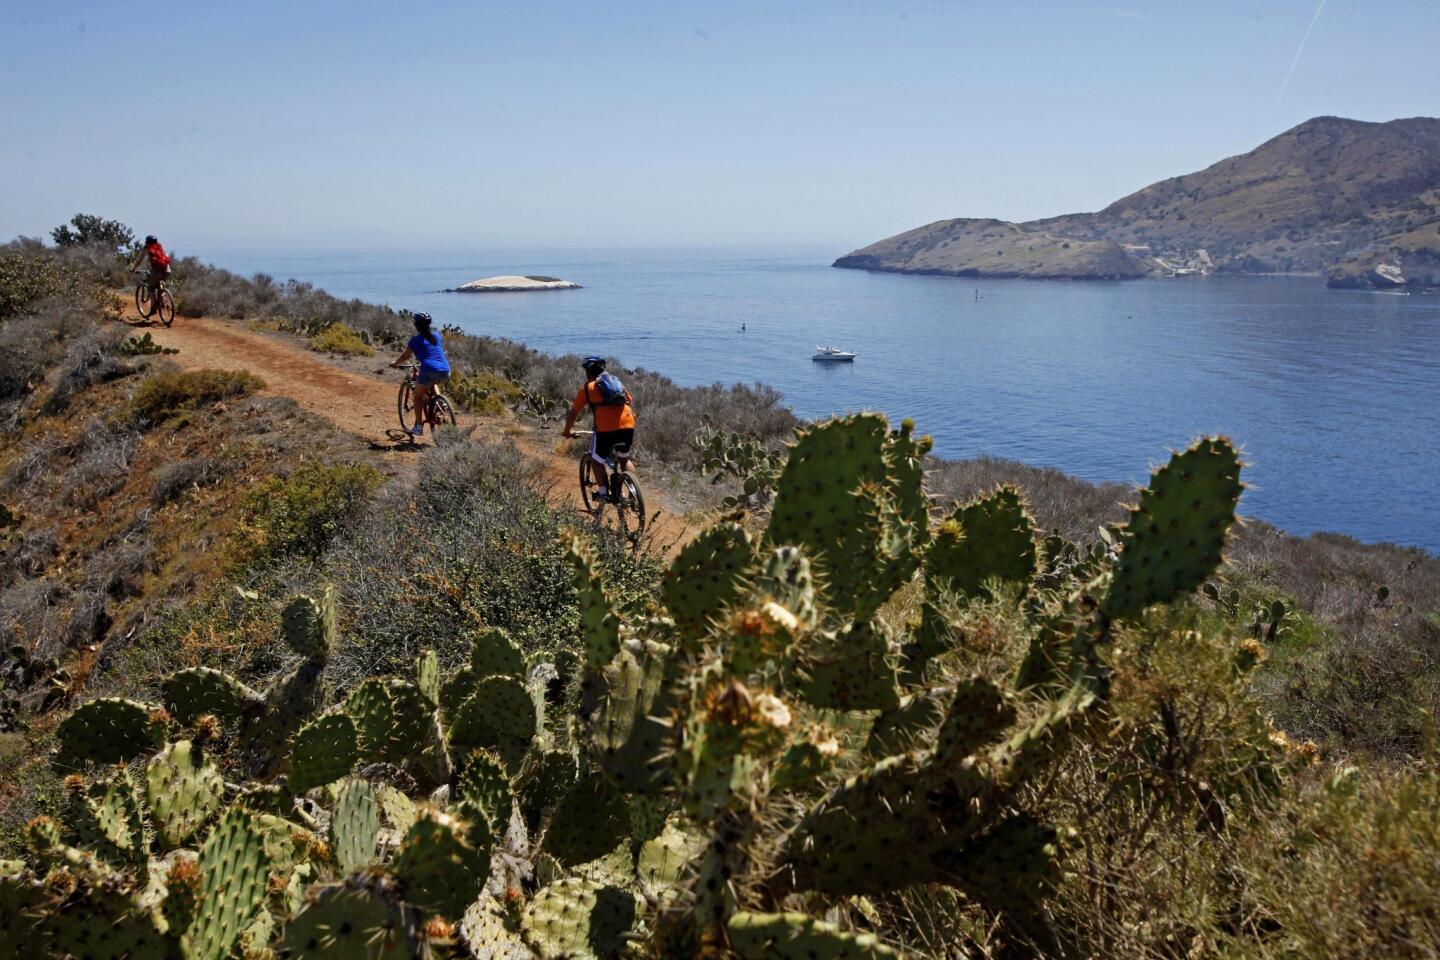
[(508, 284)]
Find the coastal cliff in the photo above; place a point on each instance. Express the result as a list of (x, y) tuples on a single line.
[(1332, 196)]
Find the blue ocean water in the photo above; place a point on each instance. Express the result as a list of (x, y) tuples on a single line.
[(1334, 396)]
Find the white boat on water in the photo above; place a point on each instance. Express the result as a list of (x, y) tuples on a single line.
[(832, 355)]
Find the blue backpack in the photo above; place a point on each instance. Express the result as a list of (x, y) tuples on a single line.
[(611, 390)]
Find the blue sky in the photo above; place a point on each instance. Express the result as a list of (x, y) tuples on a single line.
[(369, 125)]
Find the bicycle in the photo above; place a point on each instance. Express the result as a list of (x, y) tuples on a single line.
[(152, 299), (624, 493), (440, 410)]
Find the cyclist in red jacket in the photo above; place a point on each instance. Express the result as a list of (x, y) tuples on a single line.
[(158, 262)]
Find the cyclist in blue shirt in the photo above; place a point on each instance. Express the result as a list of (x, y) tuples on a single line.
[(426, 348)]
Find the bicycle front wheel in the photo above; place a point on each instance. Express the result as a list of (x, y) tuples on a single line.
[(405, 405), (630, 508), (165, 306), (142, 299), (585, 484)]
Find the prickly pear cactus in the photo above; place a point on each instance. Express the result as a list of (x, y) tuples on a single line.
[(992, 537), (629, 726), (707, 576), (579, 920), (588, 823), (599, 626), (322, 752), (391, 719), (498, 716), (1174, 537), (109, 730), (189, 694), (427, 676), (183, 792), (443, 862), (363, 917), (493, 653), (233, 874), (794, 936), (308, 624), (486, 785), (854, 670), (354, 826), (855, 519)]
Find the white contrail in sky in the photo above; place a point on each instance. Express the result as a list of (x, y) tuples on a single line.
[(1299, 50)]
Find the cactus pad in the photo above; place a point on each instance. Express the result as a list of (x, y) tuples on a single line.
[(308, 624), (494, 654), (588, 823), (599, 626), (978, 714), (189, 694), (628, 727), (233, 874), (322, 752), (354, 826), (666, 861), (551, 782), (794, 936), (993, 537), (500, 716), (853, 672), (183, 792), (913, 722), (391, 719), (360, 918), (579, 920), (485, 784), (707, 576), (107, 730), (443, 862), (486, 931), (427, 676), (1173, 539)]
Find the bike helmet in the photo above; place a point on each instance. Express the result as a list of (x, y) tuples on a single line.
[(421, 319), (150, 239), (593, 364)]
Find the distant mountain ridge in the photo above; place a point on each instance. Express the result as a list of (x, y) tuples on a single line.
[(1354, 200)]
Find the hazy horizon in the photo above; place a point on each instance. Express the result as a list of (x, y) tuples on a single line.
[(431, 126)]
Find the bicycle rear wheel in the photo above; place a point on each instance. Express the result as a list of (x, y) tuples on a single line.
[(142, 299), (405, 405), (444, 413), (629, 507), (165, 306)]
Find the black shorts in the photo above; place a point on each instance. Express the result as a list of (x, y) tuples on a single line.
[(603, 444)]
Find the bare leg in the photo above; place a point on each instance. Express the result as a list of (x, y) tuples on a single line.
[(422, 406)]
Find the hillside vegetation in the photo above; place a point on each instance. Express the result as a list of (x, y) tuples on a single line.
[(1330, 196), (880, 706)]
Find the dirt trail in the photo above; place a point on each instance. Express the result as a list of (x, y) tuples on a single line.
[(363, 405)]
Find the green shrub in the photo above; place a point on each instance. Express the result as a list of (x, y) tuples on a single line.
[(167, 394), (93, 230), (341, 339), (300, 515), (26, 279), (483, 392)]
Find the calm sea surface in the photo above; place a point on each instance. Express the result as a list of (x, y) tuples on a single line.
[(1333, 396)]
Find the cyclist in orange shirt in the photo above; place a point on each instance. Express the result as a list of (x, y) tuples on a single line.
[(614, 411)]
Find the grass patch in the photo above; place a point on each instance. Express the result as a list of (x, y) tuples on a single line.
[(301, 514), (340, 338), (166, 394)]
